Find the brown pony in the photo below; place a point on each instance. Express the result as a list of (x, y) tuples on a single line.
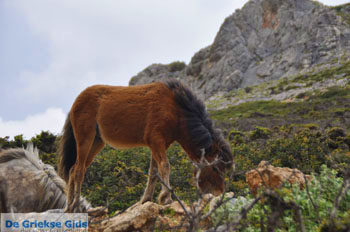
[(153, 115)]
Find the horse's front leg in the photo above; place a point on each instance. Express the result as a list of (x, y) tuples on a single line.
[(164, 197), (151, 182), (163, 166)]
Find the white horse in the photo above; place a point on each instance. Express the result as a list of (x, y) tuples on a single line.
[(29, 185)]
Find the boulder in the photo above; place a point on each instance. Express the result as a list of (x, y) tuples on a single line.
[(96, 216), (273, 177), (139, 217), (143, 217)]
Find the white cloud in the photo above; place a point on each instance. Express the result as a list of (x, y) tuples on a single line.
[(108, 42), (51, 120)]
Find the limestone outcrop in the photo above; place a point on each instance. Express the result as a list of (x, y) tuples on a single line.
[(273, 177), (265, 40)]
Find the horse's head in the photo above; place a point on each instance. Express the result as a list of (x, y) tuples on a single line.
[(211, 168), (206, 147)]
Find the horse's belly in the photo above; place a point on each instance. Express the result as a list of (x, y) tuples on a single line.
[(122, 138), (124, 145)]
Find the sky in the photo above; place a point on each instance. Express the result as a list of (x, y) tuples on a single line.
[(52, 50)]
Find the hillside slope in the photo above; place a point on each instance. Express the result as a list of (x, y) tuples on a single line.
[(320, 98)]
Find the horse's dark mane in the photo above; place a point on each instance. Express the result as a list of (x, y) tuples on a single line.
[(198, 123), (225, 149)]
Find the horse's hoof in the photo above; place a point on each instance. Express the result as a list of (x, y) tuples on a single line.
[(168, 201), (145, 199), (165, 199)]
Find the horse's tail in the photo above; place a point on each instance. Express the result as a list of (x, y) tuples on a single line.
[(67, 151)]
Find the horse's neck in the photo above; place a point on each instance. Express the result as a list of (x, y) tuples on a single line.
[(53, 196), (185, 143), (59, 200)]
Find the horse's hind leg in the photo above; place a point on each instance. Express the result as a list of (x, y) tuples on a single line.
[(85, 132), (74, 188), (96, 148), (151, 182)]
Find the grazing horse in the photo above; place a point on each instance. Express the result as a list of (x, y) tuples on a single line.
[(153, 115), (29, 185)]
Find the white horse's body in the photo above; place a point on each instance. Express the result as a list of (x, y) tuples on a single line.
[(29, 185)]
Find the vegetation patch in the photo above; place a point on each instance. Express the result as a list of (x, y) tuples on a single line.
[(117, 178), (327, 73), (343, 11), (315, 204), (249, 108), (260, 133), (333, 103), (335, 91), (176, 66)]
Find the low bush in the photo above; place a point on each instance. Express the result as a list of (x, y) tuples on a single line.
[(117, 178), (316, 202), (176, 66), (260, 133)]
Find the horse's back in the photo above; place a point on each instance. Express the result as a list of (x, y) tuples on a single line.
[(125, 116)]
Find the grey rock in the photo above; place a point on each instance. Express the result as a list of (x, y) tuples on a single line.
[(265, 40)]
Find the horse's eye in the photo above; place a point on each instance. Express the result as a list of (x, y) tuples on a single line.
[(216, 169)]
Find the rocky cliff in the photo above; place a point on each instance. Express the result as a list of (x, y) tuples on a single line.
[(265, 40)]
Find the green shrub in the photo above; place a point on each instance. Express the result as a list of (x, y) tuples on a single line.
[(248, 89), (118, 177), (336, 132), (311, 126), (316, 205), (231, 210), (260, 133), (176, 66), (347, 140), (306, 150), (342, 12), (335, 91), (235, 134)]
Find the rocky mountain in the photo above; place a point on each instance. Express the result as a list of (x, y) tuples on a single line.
[(265, 40)]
